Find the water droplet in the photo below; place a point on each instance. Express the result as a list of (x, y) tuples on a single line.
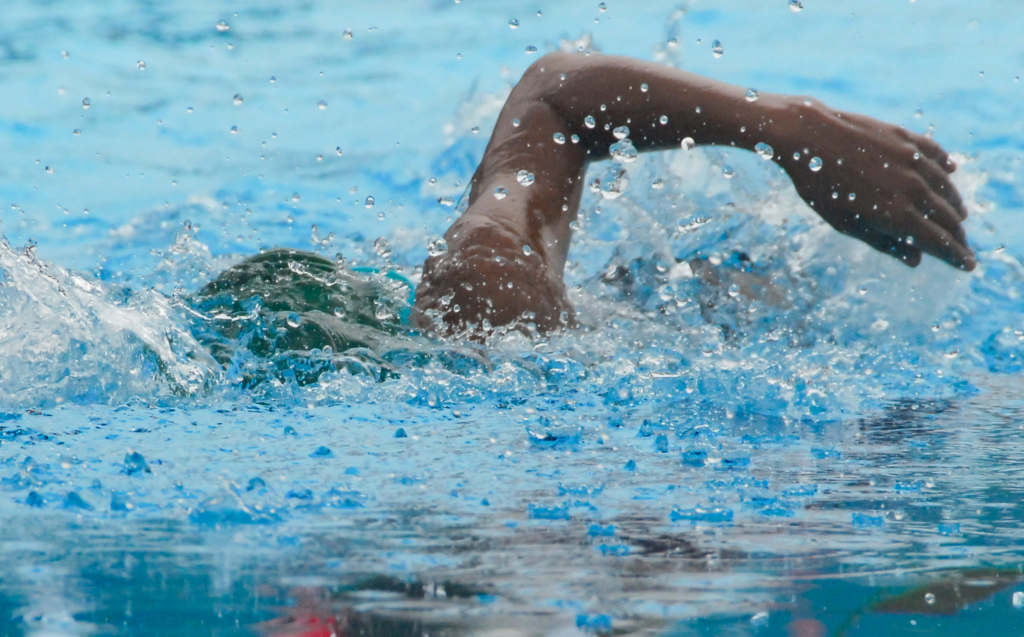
[(716, 49), (142, 65), (189, 109), (322, 452), (815, 164), (590, 121), (49, 170), (734, 290), (347, 34), (764, 150), (296, 196), (369, 202), (918, 113), (446, 201), (688, 143), (909, 240), (64, 54), (322, 105), (513, 24), (234, 129), (475, 130), (1018, 600), (524, 177), (852, 196), (382, 247), (751, 95), (500, 193), (86, 103), (559, 138), (602, 7), (644, 87), (338, 150), (223, 26), (658, 184), (238, 99), (530, 50), (614, 182), (621, 132), (835, 195), (929, 599), (293, 320), (796, 6), (917, 156), (728, 172), (515, 123), (796, 155), (527, 250), (437, 247), (77, 132), (623, 151), (400, 433), (135, 463), (575, 138)]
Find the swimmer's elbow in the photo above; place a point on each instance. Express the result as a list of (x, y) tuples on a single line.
[(542, 78)]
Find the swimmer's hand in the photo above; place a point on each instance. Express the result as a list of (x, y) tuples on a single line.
[(877, 182)]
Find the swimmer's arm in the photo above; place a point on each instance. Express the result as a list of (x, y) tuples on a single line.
[(898, 196)]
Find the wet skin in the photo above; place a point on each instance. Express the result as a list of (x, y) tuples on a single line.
[(905, 204)]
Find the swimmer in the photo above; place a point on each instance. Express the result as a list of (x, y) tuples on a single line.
[(877, 182)]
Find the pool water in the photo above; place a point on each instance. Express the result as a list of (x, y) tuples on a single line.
[(838, 454)]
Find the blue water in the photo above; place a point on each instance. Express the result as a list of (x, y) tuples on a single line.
[(769, 465)]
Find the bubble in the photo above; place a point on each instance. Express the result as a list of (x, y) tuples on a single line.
[(142, 65), (716, 49), (223, 26), (688, 143), (852, 196), (500, 193), (322, 105), (602, 7), (643, 87), (728, 171), (86, 103), (575, 138), (751, 95), (623, 151), (238, 99), (513, 24), (815, 164), (437, 247), (621, 132), (515, 123), (796, 6), (527, 250), (589, 121), (764, 150), (530, 50), (559, 138), (369, 202), (929, 599), (614, 182), (663, 119), (524, 177), (734, 290), (382, 247), (293, 320)]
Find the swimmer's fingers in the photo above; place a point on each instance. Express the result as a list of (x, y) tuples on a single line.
[(938, 180), (931, 149), (935, 240), (890, 245)]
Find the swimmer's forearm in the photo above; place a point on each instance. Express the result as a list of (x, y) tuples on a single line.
[(660, 106)]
